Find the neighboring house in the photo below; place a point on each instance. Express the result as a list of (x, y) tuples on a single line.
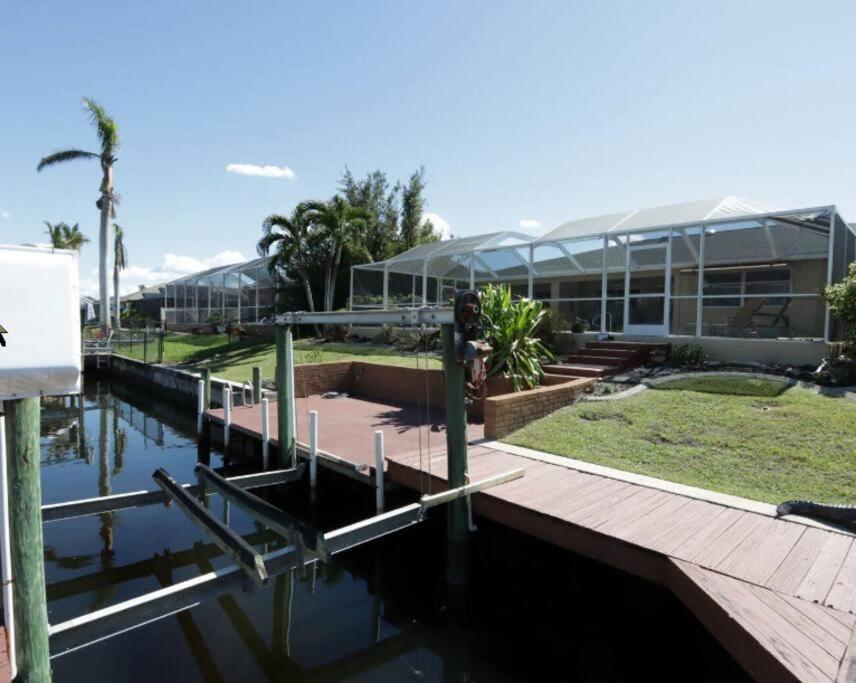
[(146, 301), (243, 292), (726, 267)]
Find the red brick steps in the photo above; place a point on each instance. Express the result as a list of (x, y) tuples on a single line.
[(605, 358)]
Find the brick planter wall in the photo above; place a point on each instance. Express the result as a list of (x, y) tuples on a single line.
[(317, 378), (508, 412)]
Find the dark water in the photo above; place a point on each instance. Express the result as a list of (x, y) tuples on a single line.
[(378, 613)]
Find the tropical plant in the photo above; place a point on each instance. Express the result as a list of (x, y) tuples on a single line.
[(120, 262), (687, 355), (338, 225), (65, 237), (108, 137), (289, 237), (511, 328), (841, 298)]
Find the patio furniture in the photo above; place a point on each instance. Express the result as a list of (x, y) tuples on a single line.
[(745, 323)]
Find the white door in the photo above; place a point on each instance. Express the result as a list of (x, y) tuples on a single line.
[(646, 286)]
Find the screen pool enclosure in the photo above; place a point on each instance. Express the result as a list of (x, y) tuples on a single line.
[(726, 267)]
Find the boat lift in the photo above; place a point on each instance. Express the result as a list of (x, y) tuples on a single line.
[(306, 545)]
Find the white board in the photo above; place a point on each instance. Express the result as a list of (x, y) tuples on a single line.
[(40, 309)]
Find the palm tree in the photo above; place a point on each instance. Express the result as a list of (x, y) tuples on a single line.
[(108, 137), (341, 225), (289, 237), (65, 237), (120, 262)]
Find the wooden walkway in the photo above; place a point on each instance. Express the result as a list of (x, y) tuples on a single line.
[(779, 595)]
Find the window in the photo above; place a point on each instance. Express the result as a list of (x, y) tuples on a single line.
[(730, 288)]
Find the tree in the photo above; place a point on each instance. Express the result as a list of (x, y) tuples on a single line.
[(290, 239), (65, 237), (108, 138), (415, 230), (120, 262), (339, 225), (374, 195)]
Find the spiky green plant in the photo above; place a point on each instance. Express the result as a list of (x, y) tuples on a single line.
[(511, 328)]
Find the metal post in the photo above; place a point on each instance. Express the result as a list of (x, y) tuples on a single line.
[(530, 279), (313, 449), (200, 405), (227, 416), (31, 617), (604, 283), (425, 283), (456, 448), (257, 384), (473, 270), (6, 551), (829, 274), (265, 433), (206, 378), (378, 449), (700, 283), (351, 294), (385, 287), (283, 418)]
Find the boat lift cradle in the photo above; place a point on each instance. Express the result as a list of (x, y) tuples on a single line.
[(250, 568)]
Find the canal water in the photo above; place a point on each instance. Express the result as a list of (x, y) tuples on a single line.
[(376, 613)]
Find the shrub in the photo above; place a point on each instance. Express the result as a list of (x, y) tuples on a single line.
[(687, 355), (841, 298), (551, 329), (511, 328)]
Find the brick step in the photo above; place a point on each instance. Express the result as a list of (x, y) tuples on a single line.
[(627, 346), (581, 369), (583, 357), (609, 353)]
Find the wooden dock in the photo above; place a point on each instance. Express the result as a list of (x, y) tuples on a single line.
[(779, 594)]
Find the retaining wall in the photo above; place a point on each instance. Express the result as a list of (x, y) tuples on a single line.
[(506, 413)]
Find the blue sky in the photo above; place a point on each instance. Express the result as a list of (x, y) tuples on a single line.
[(526, 111)]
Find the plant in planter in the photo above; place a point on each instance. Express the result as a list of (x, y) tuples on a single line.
[(580, 325), (840, 370), (511, 328), (217, 323), (687, 355)]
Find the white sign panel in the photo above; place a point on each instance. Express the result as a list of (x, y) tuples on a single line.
[(40, 312)]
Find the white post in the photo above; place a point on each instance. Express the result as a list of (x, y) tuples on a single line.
[(604, 283), (6, 551), (313, 449), (265, 433), (200, 405), (227, 415), (667, 289), (351, 295), (425, 283), (378, 449), (829, 258), (289, 386), (473, 270), (700, 283)]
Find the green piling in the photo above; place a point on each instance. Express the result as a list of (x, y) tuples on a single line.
[(456, 447), (25, 513), (257, 384), (283, 406), (145, 346)]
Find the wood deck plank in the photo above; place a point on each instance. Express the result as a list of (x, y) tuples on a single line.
[(701, 535), (795, 566), (557, 502), (822, 574), (630, 514), (838, 624), (719, 548), (644, 528), (779, 638), (761, 553), (842, 595), (613, 506)]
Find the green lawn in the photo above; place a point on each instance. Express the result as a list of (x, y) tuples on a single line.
[(749, 437), (235, 360)]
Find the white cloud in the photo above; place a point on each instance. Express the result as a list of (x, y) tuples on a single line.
[(441, 225), (5, 215), (173, 266), (266, 171), (529, 224)]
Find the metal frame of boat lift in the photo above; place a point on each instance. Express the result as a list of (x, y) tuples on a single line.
[(306, 545)]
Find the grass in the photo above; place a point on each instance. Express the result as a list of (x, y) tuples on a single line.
[(235, 360), (754, 438)]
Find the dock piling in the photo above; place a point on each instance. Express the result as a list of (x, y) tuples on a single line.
[(206, 377), (265, 433), (200, 406), (227, 417), (313, 450), (378, 441), (257, 384)]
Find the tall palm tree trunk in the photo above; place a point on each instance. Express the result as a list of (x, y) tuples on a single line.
[(104, 244), (117, 316)]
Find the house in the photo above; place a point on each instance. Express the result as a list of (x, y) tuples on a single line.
[(711, 270)]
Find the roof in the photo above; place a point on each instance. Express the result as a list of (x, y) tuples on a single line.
[(140, 294), (659, 217)]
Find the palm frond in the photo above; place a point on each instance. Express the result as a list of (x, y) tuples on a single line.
[(108, 131), (65, 155)]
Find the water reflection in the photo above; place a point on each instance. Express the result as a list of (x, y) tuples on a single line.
[(377, 613)]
